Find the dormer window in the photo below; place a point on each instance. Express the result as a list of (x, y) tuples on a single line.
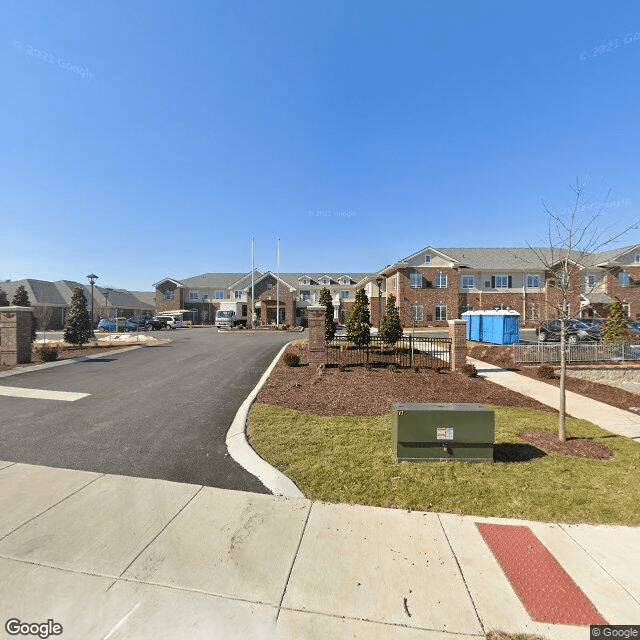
[(326, 280), (636, 257), (305, 280), (345, 280), (427, 258)]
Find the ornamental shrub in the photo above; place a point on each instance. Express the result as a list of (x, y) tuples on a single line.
[(358, 325), (616, 323), (547, 372), (329, 325), (291, 359), (77, 325), (391, 327), (48, 354)]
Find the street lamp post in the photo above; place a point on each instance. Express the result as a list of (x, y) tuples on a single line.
[(379, 281), (92, 279)]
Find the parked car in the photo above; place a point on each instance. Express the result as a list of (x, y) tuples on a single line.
[(634, 327), (598, 323), (173, 320), (157, 323), (577, 331), (110, 324), (139, 321)]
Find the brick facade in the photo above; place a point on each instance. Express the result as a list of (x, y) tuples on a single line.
[(169, 297), (15, 335), (267, 302), (458, 337), (317, 345)]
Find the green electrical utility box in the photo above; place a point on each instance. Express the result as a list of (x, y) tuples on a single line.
[(447, 431)]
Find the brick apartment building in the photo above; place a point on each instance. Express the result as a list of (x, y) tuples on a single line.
[(199, 297), (431, 286), (434, 285)]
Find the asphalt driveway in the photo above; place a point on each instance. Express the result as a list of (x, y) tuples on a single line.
[(157, 412)]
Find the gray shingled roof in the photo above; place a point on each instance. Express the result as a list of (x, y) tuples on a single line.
[(507, 258), (59, 293), (212, 280)]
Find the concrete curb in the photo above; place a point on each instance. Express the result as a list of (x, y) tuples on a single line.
[(244, 454), (60, 363)]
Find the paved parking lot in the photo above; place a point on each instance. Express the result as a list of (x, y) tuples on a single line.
[(159, 411)]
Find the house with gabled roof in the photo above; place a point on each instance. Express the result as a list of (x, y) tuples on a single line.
[(50, 300)]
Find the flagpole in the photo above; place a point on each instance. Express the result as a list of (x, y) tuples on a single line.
[(253, 302), (278, 288)]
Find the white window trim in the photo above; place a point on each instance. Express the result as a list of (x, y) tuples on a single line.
[(414, 276), (499, 286), (438, 280), (419, 312), (439, 307), (533, 277), (193, 295), (468, 286), (427, 258)]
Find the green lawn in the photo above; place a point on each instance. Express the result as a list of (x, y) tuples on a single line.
[(350, 459)]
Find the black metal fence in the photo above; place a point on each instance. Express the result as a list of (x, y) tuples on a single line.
[(409, 351)]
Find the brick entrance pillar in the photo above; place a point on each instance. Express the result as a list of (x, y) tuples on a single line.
[(15, 335), (458, 337), (317, 346)]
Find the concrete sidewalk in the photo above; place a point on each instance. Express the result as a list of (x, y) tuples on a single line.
[(119, 557), (612, 419)]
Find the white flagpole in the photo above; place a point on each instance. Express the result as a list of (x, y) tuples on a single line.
[(253, 302), (278, 288)]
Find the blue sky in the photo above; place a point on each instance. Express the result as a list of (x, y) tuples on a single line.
[(149, 139)]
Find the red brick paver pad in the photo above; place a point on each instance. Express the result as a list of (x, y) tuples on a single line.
[(544, 587)]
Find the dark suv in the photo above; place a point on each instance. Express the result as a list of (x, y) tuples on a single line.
[(577, 331), (155, 324)]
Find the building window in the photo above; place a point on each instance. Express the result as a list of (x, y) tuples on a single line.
[(427, 258), (193, 295), (468, 282), (238, 293), (305, 295), (344, 295), (306, 280), (314, 296), (591, 280), (416, 280), (562, 278), (344, 280), (326, 280), (626, 310), (501, 282), (168, 295), (636, 257), (394, 282), (416, 312), (441, 312), (441, 280), (533, 282), (531, 312), (269, 286), (219, 294), (624, 279)]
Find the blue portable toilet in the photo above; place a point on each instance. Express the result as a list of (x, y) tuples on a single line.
[(474, 320), (498, 327)]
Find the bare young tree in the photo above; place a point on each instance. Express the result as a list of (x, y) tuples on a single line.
[(573, 239)]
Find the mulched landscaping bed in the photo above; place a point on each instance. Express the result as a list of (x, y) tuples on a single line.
[(580, 447), (357, 391), (502, 356)]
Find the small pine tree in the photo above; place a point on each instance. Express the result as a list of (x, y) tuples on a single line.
[(4, 301), (616, 323), (329, 325), (77, 326), (358, 324), (391, 327), (21, 297)]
